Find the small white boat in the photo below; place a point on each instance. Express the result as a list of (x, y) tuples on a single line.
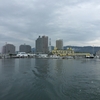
[(55, 57), (91, 56)]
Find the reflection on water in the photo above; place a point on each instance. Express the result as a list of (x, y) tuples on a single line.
[(41, 68), (49, 79), (41, 85), (24, 65), (59, 66), (8, 66), (8, 63)]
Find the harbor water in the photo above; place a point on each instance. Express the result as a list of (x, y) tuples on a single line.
[(49, 79)]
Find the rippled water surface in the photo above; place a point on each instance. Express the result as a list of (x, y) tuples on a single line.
[(49, 79)]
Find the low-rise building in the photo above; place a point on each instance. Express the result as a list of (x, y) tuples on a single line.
[(68, 52)]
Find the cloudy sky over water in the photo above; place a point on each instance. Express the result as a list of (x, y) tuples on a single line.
[(77, 22)]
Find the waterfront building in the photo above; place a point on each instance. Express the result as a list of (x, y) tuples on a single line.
[(58, 52), (59, 44), (25, 48), (42, 44), (68, 52), (8, 49)]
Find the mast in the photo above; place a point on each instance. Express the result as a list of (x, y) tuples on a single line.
[(93, 49)]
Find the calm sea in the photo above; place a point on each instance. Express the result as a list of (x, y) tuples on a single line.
[(49, 79)]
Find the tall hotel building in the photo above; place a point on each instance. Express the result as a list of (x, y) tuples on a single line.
[(59, 44), (8, 49), (25, 48), (42, 44)]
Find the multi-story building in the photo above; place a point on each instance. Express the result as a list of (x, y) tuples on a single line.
[(59, 44), (8, 49), (25, 48), (42, 44)]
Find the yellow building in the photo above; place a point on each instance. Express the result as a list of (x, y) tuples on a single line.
[(68, 52)]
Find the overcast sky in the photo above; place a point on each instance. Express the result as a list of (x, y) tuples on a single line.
[(77, 22)]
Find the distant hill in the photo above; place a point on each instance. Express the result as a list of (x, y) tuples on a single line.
[(85, 49)]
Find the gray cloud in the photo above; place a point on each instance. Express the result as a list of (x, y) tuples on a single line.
[(77, 22)]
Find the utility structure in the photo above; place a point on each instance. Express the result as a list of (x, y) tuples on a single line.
[(49, 44)]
